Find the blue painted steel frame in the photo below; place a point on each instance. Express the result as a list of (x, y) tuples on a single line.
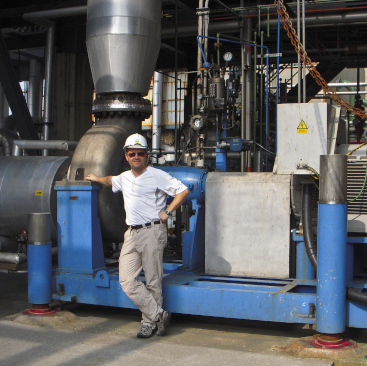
[(190, 292)]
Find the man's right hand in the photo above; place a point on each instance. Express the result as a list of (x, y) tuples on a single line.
[(92, 178), (106, 181)]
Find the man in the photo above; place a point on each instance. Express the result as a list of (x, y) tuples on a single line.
[(145, 190)]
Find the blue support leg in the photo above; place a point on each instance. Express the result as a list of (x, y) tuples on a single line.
[(331, 289), (39, 273)]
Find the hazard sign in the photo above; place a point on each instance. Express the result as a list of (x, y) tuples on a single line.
[(302, 128)]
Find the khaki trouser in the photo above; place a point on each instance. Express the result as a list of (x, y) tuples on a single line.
[(143, 249)]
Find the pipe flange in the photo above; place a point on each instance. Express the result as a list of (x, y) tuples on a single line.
[(121, 105)]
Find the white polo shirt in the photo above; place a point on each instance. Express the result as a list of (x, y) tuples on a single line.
[(145, 195)]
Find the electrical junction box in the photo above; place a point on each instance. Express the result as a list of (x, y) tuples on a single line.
[(247, 224), (304, 132)]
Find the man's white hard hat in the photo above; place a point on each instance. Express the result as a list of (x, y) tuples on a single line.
[(136, 141)]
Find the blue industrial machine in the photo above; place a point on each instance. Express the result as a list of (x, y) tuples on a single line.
[(83, 276), (238, 242)]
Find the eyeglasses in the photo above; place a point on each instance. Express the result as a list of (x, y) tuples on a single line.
[(140, 153)]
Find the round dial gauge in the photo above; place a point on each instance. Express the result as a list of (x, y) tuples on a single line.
[(227, 56)]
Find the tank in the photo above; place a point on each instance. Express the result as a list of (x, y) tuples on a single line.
[(123, 41), (26, 186)]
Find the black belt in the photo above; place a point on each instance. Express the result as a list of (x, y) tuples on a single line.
[(136, 227)]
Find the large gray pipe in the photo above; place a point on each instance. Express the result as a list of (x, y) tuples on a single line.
[(15, 258), (50, 57), (100, 151), (26, 185), (123, 40)]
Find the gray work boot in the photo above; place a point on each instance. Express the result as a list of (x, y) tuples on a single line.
[(163, 321), (146, 331)]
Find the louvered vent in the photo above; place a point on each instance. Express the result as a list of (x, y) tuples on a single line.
[(356, 173)]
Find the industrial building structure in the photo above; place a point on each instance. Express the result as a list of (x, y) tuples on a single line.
[(243, 101)]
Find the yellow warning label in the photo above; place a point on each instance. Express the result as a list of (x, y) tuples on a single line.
[(39, 193), (302, 128)]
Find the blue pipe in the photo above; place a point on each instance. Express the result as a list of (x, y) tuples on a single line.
[(207, 64), (331, 306)]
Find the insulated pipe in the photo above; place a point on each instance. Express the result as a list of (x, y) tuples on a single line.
[(232, 25), (7, 138), (157, 112), (49, 145), (39, 16), (331, 307), (35, 88), (18, 198), (49, 63), (39, 250), (14, 258)]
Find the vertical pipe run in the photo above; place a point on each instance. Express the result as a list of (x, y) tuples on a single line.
[(248, 88), (49, 57), (39, 251), (255, 92), (35, 88), (243, 90), (332, 245), (261, 98), (157, 113)]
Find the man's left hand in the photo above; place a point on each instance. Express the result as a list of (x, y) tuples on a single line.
[(164, 217)]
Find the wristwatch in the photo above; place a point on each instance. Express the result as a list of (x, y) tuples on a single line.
[(167, 212)]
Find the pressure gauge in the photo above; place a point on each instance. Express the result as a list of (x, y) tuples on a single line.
[(197, 122), (227, 56)]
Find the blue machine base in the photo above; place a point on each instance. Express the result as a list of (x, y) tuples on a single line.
[(286, 301)]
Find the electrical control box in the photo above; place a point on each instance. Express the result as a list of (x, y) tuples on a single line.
[(304, 132)]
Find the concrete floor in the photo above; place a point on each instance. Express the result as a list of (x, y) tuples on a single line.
[(94, 335)]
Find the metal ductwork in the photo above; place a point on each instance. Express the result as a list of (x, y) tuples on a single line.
[(123, 40)]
